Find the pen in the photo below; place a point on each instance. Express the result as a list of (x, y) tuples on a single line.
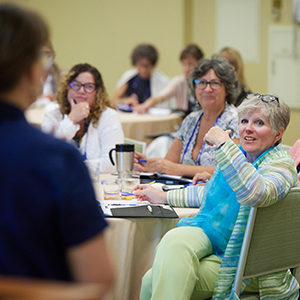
[(142, 160), (189, 184), (148, 183)]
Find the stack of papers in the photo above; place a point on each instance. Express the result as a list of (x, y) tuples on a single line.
[(107, 205), (133, 208)]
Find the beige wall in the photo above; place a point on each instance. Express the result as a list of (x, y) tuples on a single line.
[(103, 33), (204, 28)]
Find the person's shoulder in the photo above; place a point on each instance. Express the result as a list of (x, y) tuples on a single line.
[(126, 76), (278, 157), (40, 139), (230, 109), (194, 114), (192, 117), (109, 118), (54, 113), (109, 112), (159, 75), (179, 78)]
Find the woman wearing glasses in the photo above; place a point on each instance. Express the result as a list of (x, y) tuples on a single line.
[(214, 84), (85, 116), (187, 263)]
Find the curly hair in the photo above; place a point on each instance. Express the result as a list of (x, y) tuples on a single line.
[(102, 100), (223, 70)]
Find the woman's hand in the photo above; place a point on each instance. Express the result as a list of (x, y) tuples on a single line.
[(142, 108), (138, 165), (203, 176), (145, 192), (216, 136), (79, 111), (161, 165), (132, 100)]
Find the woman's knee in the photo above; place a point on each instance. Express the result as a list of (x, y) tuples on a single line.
[(180, 240)]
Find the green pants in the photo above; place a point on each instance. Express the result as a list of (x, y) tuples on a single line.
[(183, 267)]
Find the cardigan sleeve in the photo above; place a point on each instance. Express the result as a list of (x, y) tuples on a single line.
[(187, 197), (60, 127), (262, 183)]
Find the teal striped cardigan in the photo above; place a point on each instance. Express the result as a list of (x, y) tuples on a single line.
[(262, 183)]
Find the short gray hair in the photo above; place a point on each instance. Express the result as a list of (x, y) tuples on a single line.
[(277, 113), (223, 70)]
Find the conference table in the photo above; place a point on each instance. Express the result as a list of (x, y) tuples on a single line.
[(132, 243), (135, 126), (139, 126)]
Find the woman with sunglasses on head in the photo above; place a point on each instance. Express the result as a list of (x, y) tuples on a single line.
[(198, 259), (85, 116), (214, 84)]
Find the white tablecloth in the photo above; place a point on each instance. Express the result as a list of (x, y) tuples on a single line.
[(132, 242), (135, 126)]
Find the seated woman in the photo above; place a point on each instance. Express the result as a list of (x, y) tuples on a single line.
[(295, 154), (256, 173), (85, 116), (214, 84), (235, 59), (139, 84), (178, 86)]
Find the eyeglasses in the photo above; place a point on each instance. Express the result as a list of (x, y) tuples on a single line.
[(202, 84), (47, 59), (88, 87), (265, 98)]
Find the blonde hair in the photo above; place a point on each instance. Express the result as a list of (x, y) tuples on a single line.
[(235, 59)]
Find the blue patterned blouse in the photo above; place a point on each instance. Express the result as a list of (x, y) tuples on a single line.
[(188, 132)]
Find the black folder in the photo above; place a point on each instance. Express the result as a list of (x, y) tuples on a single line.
[(166, 179), (144, 211)]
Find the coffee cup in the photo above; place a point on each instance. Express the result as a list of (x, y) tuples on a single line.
[(124, 157)]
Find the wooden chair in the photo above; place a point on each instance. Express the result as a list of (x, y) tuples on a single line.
[(13, 288), (271, 241)]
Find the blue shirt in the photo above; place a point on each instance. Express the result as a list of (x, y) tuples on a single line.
[(47, 201)]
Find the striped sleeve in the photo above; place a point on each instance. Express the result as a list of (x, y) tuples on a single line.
[(188, 197), (264, 186)]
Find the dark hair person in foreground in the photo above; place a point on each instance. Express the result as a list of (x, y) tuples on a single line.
[(51, 226)]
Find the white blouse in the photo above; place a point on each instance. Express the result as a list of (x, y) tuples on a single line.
[(96, 142)]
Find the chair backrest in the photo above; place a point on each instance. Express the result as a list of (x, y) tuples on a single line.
[(12, 288), (138, 145), (271, 241), (285, 147)]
